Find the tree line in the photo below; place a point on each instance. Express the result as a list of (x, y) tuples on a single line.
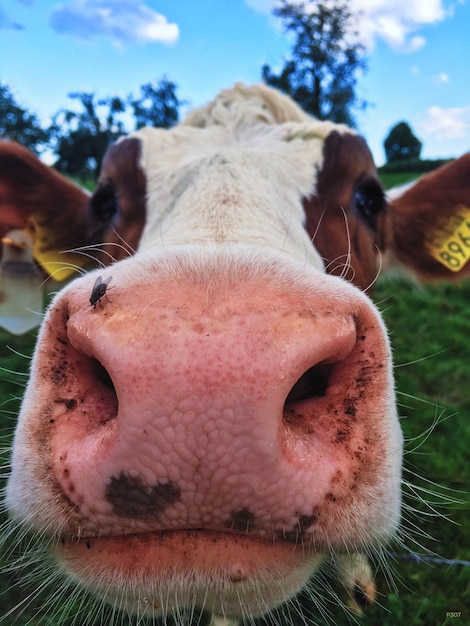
[(320, 73), (79, 137)]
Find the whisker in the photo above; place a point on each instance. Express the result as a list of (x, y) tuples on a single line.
[(347, 265), (312, 238), (421, 359), (378, 270), (126, 246)]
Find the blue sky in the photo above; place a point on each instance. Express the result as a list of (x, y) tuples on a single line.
[(418, 51)]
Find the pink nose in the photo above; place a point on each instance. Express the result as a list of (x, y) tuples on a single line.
[(255, 410)]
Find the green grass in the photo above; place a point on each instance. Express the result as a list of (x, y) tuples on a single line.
[(402, 172), (429, 329), (396, 179)]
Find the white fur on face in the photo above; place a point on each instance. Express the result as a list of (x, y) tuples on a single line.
[(205, 188)]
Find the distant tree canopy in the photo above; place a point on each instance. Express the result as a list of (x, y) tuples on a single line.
[(326, 59), (157, 106), (17, 124), (79, 137), (401, 144)]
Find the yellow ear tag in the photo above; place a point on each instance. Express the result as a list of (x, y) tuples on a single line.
[(21, 284), (59, 266), (451, 245)]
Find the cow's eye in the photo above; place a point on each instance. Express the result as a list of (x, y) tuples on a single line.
[(104, 202), (369, 201)]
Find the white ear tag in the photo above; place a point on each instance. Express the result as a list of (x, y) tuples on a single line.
[(21, 290)]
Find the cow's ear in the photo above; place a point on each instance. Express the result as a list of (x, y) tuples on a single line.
[(36, 198), (428, 229)]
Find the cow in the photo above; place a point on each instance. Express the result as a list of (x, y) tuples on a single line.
[(224, 421)]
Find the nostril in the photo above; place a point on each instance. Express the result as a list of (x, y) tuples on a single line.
[(101, 375), (103, 394), (312, 384), (92, 380), (328, 377)]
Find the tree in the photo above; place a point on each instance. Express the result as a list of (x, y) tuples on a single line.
[(81, 138), (157, 106), (326, 59), (17, 124), (401, 144)]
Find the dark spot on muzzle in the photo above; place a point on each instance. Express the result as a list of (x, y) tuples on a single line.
[(350, 407), (241, 520), (58, 373), (69, 403), (305, 522), (131, 497)]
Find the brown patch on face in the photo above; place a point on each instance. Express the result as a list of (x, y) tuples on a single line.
[(347, 179), (242, 520), (131, 497), (119, 200)]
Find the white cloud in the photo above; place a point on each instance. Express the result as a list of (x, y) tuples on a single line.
[(414, 43), (393, 21), (441, 78), (124, 21), (446, 123)]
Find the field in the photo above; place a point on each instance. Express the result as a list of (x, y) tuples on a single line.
[(430, 332)]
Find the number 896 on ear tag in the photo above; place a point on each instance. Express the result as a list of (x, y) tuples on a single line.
[(451, 246)]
